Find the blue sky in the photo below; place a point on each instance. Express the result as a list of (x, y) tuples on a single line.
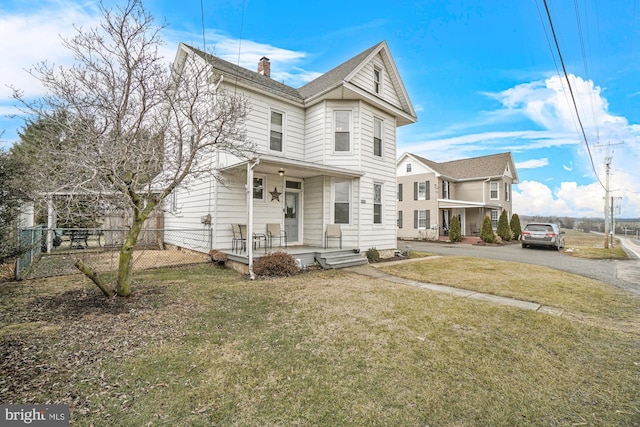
[(484, 77)]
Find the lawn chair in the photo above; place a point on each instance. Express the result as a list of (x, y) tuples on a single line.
[(333, 232), (238, 243), (274, 231)]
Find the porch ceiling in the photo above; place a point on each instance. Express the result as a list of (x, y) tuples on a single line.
[(295, 168)]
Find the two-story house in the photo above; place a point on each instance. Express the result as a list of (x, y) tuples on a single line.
[(325, 154), (431, 193)]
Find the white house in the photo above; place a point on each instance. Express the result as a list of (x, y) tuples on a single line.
[(431, 193), (326, 154)]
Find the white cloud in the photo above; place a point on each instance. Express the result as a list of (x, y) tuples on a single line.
[(571, 199), (532, 164), (569, 167), (29, 38)]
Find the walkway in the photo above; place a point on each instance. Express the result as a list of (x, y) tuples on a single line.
[(372, 270)]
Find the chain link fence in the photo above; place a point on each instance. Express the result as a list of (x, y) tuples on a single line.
[(58, 250)]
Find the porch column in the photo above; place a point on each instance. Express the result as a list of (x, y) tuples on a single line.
[(249, 237), (51, 223)]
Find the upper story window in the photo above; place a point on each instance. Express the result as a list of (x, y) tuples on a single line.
[(494, 190), (377, 137), (409, 167), (445, 190), (341, 201), (507, 191), (421, 190), (259, 183), (342, 130), (377, 79), (275, 137), (377, 203)]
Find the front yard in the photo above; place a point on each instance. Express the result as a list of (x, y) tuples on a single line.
[(202, 346)]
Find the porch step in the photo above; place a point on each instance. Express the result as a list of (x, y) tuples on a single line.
[(340, 259)]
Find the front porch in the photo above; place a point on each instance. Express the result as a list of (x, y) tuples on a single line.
[(305, 256)]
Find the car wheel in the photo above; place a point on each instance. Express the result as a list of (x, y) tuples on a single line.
[(524, 246)]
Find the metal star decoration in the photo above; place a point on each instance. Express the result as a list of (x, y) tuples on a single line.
[(275, 195)]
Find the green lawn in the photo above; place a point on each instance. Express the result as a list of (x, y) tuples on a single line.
[(202, 346)]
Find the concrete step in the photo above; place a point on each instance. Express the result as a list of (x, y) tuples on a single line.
[(340, 259)]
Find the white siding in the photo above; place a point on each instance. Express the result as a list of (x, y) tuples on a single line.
[(314, 191), (364, 79)]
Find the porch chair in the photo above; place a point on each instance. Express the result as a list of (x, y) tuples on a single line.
[(238, 243), (257, 238), (333, 232), (274, 231)]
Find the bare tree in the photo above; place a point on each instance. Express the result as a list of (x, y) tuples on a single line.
[(137, 127)]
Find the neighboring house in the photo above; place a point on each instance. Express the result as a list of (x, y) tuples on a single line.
[(326, 154), (431, 193)]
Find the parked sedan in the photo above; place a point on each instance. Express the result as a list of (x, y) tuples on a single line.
[(542, 234)]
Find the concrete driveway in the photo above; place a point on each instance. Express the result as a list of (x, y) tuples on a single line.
[(623, 274)]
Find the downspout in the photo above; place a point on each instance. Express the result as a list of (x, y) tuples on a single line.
[(213, 192), (249, 237)]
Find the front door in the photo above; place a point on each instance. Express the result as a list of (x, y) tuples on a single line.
[(292, 215)]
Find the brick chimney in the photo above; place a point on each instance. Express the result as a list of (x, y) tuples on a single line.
[(264, 66)]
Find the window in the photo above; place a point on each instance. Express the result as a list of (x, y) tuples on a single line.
[(445, 189), (409, 167), (399, 219), (275, 138), (377, 137), (377, 203), (494, 218), (421, 190), (342, 124), (174, 200), (494, 190), (377, 79), (399, 192), (341, 202), (421, 219), (507, 191), (258, 188)]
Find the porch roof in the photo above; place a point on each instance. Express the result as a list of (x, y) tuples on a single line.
[(458, 204), (268, 164)]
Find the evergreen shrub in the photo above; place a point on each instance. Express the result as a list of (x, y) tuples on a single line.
[(455, 234), (486, 234), (503, 227)]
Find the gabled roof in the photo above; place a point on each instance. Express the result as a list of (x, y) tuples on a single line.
[(324, 84), (483, 167), (336, 76)]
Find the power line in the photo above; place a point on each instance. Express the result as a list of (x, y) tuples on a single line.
[(575, 105), (204, 41)]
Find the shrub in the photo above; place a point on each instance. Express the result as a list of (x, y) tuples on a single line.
[(516, 228), (373, 255), (275, 264), (503, 227), (486, 234), (455, 234), (217, 256)]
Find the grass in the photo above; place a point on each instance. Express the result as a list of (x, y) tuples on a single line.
[(591, 246), (542, 285), (202, 346)]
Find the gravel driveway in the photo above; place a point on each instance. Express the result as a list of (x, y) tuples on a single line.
[(623, 274)]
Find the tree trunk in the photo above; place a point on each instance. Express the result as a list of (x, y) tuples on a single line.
[(88, 271), (123, 287)]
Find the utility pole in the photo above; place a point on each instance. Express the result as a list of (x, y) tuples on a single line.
[(607, 237)]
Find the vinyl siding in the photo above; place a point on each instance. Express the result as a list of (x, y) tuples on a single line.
[(364, 79)]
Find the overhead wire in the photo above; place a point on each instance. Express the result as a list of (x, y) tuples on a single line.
[(573, 98)]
